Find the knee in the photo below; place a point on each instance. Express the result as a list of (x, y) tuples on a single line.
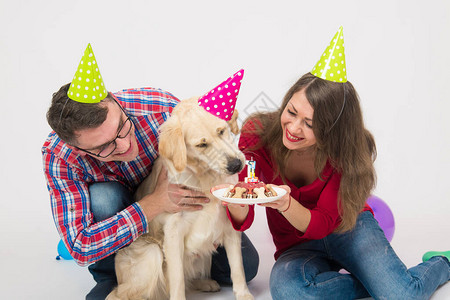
[(250, 258), (287, 290), (286, 284), (284, 287), (107, 199), (251, 265), (279, 283)]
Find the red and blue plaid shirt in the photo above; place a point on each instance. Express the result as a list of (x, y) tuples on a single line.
[(69, 175)]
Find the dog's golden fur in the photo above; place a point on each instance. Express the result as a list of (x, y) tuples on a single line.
[(198, 151)]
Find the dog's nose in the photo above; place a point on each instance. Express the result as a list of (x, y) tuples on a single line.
[(234, 165)]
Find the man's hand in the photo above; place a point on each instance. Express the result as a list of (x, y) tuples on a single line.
[(171, 198)]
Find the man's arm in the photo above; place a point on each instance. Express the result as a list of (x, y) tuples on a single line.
[(87, 241), (170, 198)]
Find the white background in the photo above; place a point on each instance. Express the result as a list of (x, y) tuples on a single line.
[(397, 56)]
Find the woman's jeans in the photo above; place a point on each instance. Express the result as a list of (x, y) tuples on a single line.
[(109, 198), (311, 270)]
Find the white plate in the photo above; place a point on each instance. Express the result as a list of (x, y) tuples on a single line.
[(220, 195)]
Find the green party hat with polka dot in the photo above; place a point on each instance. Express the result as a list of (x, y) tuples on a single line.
[(331, 65), (87, 84)]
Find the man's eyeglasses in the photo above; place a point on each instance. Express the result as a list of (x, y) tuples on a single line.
[(107, 149)]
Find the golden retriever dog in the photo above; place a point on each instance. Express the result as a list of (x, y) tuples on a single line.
[(198, 151)]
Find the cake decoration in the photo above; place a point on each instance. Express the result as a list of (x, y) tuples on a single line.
[(251, 166), (252, 187)]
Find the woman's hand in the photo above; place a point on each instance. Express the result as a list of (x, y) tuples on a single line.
[(238, 212), (282, 204), (224, 203)]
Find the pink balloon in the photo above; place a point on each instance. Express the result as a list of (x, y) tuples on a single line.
[(383, 215)]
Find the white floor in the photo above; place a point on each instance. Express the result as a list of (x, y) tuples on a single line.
[(397, 58), (30, 271)]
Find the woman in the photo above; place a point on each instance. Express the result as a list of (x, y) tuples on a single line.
[(317, 148)]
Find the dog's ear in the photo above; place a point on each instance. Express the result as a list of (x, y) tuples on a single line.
[(171, 143), (233, 122)]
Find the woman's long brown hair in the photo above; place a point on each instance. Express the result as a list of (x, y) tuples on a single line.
[(341, 136)]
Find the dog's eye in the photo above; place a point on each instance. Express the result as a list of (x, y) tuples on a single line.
[(220, 131), (201, 145)]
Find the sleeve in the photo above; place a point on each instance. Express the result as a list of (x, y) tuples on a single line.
[(325, 216), (247, 222), (86, 241)]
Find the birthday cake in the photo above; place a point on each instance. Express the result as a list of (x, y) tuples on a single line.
[(251, 188)]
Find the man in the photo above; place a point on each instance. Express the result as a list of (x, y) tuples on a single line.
[(101, 147)]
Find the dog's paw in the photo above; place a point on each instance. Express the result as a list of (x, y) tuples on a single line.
[(244, 296), (206, 285)]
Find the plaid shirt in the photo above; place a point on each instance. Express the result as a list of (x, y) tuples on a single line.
[(69, 175)]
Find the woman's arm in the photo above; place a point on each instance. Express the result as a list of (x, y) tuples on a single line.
[(298, 215), (237, 212)]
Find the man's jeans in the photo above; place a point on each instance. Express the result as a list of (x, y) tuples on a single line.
[(311, 270), (109, 198)]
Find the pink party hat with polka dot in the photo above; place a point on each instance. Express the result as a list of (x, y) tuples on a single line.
[(221, 100)]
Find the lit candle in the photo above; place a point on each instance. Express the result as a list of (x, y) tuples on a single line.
[(251, 174)]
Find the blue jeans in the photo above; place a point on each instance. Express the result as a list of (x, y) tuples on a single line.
[(311, 270), (109, 198)]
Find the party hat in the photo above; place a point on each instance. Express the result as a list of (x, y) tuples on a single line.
[(221, 100), (87, 84), (331, 65)]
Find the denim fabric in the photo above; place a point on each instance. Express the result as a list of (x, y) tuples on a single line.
[(220, 269), (107, 199), (311, 270)]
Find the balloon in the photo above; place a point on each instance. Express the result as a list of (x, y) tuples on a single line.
[(383, 215), (63, 252)]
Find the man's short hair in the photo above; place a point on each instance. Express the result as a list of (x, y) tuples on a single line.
[(66, 116)]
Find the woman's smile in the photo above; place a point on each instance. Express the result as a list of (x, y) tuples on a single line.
[(291, 138)]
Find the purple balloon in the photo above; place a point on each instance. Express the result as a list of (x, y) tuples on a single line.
[(383, 215)]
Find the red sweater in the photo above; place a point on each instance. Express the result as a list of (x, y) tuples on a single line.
[(320, 197)]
